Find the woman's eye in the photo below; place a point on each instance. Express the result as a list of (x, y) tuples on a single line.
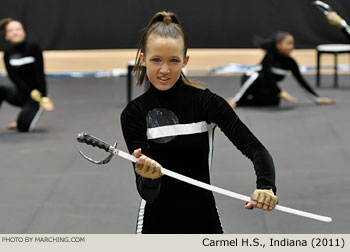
[(174, 60), (156, 60)]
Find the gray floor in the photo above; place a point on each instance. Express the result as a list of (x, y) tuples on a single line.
[(46, 187)]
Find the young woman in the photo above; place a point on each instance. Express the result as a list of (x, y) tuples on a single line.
[(24, 65), (172, 125), (259, 87)]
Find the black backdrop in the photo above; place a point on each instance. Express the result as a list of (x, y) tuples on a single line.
[(116, 24)]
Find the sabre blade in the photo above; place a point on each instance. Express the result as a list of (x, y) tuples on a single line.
[(125, 155), (224, 191), (303, 213), (114, 151)]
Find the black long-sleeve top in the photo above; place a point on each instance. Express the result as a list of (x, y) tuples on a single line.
[(175, 128), (25, 68), (346, 31), (276, 60)]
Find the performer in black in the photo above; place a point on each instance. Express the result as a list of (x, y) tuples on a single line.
[(24, 65), (259, 87), (172, 124)]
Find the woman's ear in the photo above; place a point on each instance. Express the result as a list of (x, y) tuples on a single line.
[(143, 61), (185, 61)]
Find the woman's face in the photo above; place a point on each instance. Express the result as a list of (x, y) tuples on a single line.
[(14, 32), (164, 59), (286, 45)]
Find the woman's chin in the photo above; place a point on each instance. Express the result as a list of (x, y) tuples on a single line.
[(163, 86)]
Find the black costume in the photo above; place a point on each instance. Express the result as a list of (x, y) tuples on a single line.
[(346, 31), (175, 127), (260, 86), (345, 28), (25, 68)]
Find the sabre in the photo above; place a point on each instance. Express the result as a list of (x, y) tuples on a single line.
[(95, 142), (323, 7)]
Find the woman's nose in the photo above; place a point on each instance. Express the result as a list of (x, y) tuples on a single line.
[(165, 68)]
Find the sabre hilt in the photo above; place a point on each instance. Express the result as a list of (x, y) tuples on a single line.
[(93, 141), (323, 7)]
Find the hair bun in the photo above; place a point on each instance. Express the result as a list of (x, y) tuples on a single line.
[(165, 17)]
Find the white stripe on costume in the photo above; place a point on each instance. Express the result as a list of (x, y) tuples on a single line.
[(176, 130), (211, 129), (139, 224), (252, 77), (36, 119), (22, 61), (279, 71)]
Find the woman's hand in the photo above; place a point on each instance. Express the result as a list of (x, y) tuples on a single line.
[(146, 167), (325, 100), (44, 101), (231, 102), (12, 126), (264, 199), (284, 95), (334, 19)]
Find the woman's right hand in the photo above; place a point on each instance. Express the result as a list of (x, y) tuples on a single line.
[(334, 19), (146, 167), (284, 95)]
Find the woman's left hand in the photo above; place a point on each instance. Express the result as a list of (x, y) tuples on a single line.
[(231, 102), (325, 100), (264, 199), (44, 101)]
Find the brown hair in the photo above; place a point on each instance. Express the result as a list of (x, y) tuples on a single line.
[(3, 23), (270, 43), (163, 24)]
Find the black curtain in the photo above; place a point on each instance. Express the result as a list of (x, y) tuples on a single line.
[(116, 24)]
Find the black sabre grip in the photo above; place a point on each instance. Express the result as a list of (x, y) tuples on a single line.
[(93, 141)]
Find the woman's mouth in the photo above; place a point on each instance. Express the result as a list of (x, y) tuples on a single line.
[(163, 79)]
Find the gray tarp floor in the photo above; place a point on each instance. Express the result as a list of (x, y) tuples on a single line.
[(47, 187)]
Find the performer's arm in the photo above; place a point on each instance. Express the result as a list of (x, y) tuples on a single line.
[(39, 70), (293, 66), (134, 131), (217, 110)]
